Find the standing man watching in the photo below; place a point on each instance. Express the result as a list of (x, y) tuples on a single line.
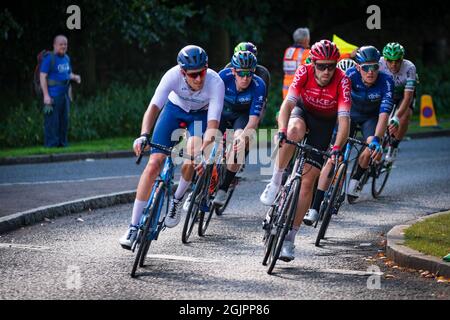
[(294, 56), (55, 76)]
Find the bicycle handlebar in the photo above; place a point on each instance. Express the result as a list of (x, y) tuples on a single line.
[(308, 148), (164, 149), (357, 141)]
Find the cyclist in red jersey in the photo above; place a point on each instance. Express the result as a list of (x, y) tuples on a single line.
[(318, 96)]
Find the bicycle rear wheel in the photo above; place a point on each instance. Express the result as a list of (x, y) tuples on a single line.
[(193, 210), (284, 224), (335, 190)]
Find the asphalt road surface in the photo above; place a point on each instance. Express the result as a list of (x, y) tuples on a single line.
[(73, 258)]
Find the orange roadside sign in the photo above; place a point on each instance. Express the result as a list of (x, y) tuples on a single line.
[(427, 112)]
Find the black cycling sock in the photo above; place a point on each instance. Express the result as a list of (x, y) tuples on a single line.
[(359, 172), (395, 143), (229, 176), (318, 198)]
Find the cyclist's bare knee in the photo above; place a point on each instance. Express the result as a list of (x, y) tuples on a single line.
[(296, 129)]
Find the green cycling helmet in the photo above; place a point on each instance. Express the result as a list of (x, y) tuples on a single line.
[(393, 51), (246, 46)]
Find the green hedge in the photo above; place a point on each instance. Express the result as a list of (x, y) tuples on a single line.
[(115, 112), (435, 81)]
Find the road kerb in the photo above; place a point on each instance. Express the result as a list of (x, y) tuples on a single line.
[(409, 258), (29, 217)]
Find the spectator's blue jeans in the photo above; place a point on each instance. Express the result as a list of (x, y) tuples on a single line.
[(56, 123)]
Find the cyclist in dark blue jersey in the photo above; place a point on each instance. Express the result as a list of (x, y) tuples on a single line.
[(245, 95), (372, 102)]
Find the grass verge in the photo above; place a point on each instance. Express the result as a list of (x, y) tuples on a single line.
[(431, 237)]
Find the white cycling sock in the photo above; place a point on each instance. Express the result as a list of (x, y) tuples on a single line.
[(138, 208), (277, 175), (183, 185), (291, 234)]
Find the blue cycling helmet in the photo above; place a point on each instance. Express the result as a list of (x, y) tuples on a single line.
[(192, 57), (244, 60), (367, 54), (246, 46)]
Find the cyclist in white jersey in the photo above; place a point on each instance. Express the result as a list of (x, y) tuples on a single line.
[(405, 78), (189, 95)]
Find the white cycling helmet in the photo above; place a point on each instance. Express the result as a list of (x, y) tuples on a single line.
[(346, 64)]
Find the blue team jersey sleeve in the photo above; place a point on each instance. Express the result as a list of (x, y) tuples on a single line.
[(259, 96), (387, 100), (45, 64)]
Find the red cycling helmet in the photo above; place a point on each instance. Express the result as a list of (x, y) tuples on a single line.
[(324, 50)]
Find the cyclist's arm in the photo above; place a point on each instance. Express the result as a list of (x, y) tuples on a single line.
[(407, 100), (285, 111), (149, 119), (250, 128), (214, 111), (382, 124), (292, 97), (410, 87), (386, 106), (343, 131), (345, 103)]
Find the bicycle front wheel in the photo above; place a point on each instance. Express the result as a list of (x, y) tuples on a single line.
[(144, 236), (335, 190), (193, 210), (380, 177), (284, 223)]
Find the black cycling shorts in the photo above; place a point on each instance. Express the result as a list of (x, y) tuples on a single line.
[(319, 135), (367, 126), (233, 120)]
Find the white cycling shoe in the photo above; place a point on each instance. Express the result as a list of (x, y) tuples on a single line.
[(126, 241), (352, 188), (269, 194), (287, 251), (311, 217)]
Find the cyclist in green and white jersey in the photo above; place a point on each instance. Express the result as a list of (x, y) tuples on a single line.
[(404, 75)]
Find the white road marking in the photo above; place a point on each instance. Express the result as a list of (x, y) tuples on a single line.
[(180, 258), (66, 181), (349, 272), (23, 246)]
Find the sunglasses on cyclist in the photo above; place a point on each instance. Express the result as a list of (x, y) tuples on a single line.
[(368, 67), (390, 61), (244, 73), (328, 66), (194, 75)]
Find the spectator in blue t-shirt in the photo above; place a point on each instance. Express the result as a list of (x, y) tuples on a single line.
[(55, 76)]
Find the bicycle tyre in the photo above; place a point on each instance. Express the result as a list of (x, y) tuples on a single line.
[(352, 199), (194, 208), (336, 188), (268, 236), (159, 198), (386, 169), (289, 213)]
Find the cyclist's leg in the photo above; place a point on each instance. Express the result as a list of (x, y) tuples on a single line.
[(196, 126), (368, 128), (404, 123), (321, 139), (296, 132), (161, 135), (235, 161)]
